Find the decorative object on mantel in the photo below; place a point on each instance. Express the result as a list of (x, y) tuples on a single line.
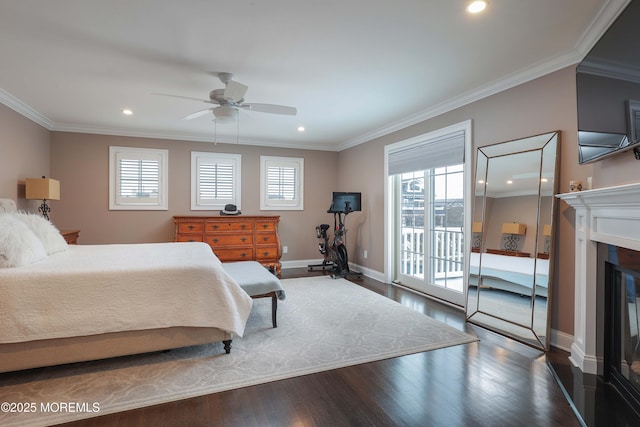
[(43, 189), (513, 230)]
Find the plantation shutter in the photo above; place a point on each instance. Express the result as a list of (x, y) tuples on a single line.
[(139, 178), (215, 180), (282, 183)]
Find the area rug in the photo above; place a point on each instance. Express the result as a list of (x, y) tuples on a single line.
[(323, 324)]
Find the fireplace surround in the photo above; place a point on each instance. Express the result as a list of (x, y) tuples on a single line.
[(607, 215)]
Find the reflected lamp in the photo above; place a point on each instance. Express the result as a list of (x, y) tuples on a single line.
[(513, 231)]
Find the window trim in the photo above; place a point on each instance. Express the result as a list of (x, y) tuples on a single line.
[(235, 160), (115, 154), (275, 161)]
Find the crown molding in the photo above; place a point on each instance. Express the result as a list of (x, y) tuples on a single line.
[(20, 107)]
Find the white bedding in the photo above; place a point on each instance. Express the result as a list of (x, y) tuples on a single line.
[(518, 270), (94, 289)]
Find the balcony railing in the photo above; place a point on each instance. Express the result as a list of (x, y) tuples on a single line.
[(446, 254)]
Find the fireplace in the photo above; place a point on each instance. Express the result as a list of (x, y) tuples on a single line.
[(621, 332), (606, 215)]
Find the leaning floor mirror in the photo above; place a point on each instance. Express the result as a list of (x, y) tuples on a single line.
[(511, 260)]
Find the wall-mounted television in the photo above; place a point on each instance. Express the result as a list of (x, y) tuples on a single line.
[(345, 202), (608, 90)]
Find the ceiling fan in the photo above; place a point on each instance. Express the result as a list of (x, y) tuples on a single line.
[(229, 100)]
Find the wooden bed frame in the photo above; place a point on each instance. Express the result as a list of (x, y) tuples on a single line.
[(36, 354)]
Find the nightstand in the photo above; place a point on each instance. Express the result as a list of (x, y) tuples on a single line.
[(71, 236)]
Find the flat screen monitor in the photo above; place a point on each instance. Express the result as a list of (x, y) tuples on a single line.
[(345, 202)]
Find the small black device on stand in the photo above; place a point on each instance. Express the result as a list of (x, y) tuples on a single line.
[(335, 255)]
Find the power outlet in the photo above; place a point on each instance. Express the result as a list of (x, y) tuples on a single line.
[(365, 254), (285, 249)]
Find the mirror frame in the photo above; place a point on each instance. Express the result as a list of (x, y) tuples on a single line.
[(530, 333)]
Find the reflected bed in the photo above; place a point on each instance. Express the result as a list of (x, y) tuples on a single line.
[(510, 273)]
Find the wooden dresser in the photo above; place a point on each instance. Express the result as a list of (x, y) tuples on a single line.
[(235, 238)]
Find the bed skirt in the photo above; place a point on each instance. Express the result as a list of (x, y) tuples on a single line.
[(35, 354)]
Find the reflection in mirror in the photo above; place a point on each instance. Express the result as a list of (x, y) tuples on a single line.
[(511, 255)]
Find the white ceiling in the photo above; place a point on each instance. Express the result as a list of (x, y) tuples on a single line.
[(355, 69)]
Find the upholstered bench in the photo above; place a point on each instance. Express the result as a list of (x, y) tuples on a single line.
[(258, 282)]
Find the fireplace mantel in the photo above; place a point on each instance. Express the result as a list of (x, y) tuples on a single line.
[(609, 215)]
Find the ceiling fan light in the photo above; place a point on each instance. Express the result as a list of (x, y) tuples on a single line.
[(225, 114)]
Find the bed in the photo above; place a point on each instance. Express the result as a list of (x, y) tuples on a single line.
[(510, 273), (87, 302)]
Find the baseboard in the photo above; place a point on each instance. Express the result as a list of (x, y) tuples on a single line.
[(560, 340), (300, 263), (304, 263)]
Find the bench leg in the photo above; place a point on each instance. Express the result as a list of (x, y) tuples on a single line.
[(227, 346), (274, 310)]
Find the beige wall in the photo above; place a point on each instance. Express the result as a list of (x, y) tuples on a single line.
[(24, 153), (81, 163)]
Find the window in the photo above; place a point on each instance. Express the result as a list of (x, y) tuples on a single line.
[(215, 180), (138, 178), (281, 183)]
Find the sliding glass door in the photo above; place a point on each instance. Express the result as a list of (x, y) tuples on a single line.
[(428, 212)]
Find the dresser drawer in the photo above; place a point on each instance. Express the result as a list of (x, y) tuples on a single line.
[(266, 252), (215, 227), (266, 239), (189, 238), (190, 227), (229, 240), (239, 254), (265, 226)]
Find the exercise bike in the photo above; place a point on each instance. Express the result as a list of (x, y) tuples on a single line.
[(335, 254)]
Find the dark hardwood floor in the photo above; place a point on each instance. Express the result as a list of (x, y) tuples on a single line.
[(494, 382)]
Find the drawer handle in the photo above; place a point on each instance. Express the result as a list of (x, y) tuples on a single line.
[(243, 239), (215, 226), (215, 240), (265, 253), (243, 226), (265, 225), (243, 255), (266, 239), (191, 227), (191, 240)]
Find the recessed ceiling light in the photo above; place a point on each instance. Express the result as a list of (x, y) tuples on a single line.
[(477, 6), (509, 182), (300, 128), (127, 112)]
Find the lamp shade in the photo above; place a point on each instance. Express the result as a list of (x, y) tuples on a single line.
[(476, 227), (43, 188), (547, 230), (513, 228)]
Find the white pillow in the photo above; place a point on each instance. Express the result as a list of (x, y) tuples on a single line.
[(44, 230), (18, 245)]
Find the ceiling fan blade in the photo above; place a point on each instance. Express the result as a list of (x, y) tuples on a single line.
[(234, 91), (184, 97), (271, 108), (196, 114)]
